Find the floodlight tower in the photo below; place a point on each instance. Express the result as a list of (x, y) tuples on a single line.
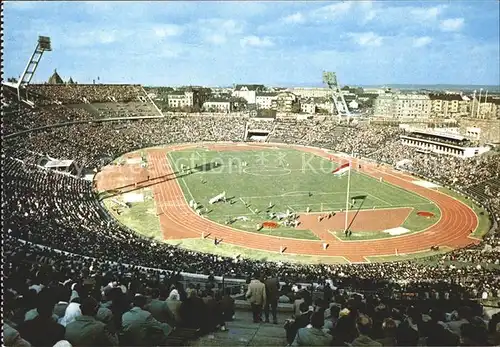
[(330, 79), (42, 46)]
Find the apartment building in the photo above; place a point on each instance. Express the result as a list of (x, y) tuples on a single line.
[(308, 106), (403, 106), (412, 106), (306, 93), (384, 106), (180, 99), (264, 100), (248, 91), (286, 102), (458, 105), (448, 105), (220, 105)]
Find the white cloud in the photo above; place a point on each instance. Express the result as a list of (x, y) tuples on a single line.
[(427, 14), (295, 18), (452, 24), (90, 38), (422, 41), (219, 31), (167, 30), (106, 37), (332, 11), (256, 41), (371, 14), (216, 39), (366, 39)]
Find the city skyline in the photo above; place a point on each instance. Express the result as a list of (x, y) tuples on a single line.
[(273, 43)]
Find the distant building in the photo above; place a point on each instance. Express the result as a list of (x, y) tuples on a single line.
[(264, 100), (311, 92), (384, 106), (449, 105), (403, 106), (412, 106), (323, 105), (248, 91), (308, 106), (218, 105), (55, 78), (180, 99), (286, 102)]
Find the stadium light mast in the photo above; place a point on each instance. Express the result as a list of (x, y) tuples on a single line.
[(42, 46), (478, 115), (330, 79)]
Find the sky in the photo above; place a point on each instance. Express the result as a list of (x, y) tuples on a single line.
[(274, 43)]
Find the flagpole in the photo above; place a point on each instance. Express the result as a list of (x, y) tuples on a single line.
[(347, 197)]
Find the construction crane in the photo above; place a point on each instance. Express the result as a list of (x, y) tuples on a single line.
[(330, 79), (42, 46)]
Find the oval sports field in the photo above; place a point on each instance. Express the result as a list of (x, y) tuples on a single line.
[(179, 221)]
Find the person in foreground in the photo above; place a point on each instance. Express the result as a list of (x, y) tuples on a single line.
[(256, 294), (140, 328), (85, 330), (313, 334)]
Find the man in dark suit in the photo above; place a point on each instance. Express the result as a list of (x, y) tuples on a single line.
[(301, 321), (63, 294), (159, 309), (43, 330), (272, 295), (86, 330), (140, 328)]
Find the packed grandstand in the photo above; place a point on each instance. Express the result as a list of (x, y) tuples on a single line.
[(62, 249)]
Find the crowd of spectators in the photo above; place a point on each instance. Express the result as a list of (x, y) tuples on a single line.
[(51, 297), (340, 319), (86, 93), (25, 118), (479, 177), (62, 212), (20, 116)]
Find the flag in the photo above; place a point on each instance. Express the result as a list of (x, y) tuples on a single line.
[(359, 197), (342, 169)]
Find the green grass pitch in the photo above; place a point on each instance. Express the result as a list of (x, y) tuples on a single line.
[(289, 180)]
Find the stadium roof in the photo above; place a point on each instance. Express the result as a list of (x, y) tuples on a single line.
[(440, 134)]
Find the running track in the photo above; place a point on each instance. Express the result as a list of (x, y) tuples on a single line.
[(179, 221)]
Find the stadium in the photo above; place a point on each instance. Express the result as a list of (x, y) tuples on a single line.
[(103, 191)]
